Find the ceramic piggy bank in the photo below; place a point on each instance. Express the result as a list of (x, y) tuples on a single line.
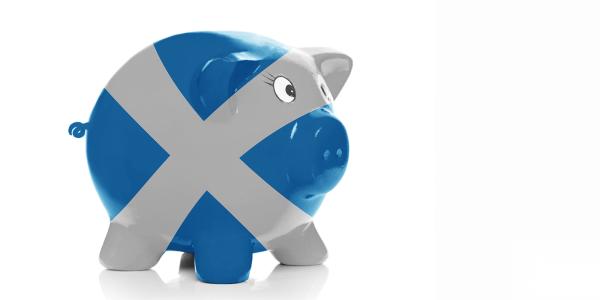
[(219, 144)]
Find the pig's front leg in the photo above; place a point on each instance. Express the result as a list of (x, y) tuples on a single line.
[(125, 249), (300, 247)]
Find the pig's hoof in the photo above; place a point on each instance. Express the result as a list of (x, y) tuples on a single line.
[(225, 263)]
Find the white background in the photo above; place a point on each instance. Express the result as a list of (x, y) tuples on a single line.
[(475, 148)]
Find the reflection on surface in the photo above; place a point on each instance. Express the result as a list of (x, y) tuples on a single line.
[(284, 282)]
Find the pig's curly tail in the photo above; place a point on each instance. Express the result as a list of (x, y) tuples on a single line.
[(77, 129)]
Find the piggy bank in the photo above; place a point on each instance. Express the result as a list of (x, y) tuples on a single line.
[(218, 144)]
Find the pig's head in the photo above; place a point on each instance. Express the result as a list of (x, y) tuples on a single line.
[(306, 156)]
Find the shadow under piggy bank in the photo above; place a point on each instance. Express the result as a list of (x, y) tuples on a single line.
[(284, 282)]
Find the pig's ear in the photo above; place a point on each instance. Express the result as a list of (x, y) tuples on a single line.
[(229, 73), (221, 77), (335, 67)]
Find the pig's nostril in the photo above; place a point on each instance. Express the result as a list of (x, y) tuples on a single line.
[(326, 154)]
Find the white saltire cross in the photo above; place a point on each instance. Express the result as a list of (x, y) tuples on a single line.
[(204, 155)]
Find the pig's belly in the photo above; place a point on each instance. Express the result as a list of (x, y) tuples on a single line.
[(210, 222)]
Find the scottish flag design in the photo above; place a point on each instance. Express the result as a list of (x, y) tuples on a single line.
[(218, 144)]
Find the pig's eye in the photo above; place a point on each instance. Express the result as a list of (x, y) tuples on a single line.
[(284, 89)]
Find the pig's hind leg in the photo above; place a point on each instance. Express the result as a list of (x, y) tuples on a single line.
[(223, 259), (300, 247), (127, 250)]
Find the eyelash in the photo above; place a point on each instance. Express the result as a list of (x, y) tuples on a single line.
[(270, 80)]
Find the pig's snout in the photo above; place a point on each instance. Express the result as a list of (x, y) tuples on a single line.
[(332, 141), (304, 159), (319, 145)]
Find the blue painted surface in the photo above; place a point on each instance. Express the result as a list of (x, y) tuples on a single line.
[(304, 159), (209, 67), (121, 155)]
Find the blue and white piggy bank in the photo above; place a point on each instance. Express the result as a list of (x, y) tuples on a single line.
[(219, 144)]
